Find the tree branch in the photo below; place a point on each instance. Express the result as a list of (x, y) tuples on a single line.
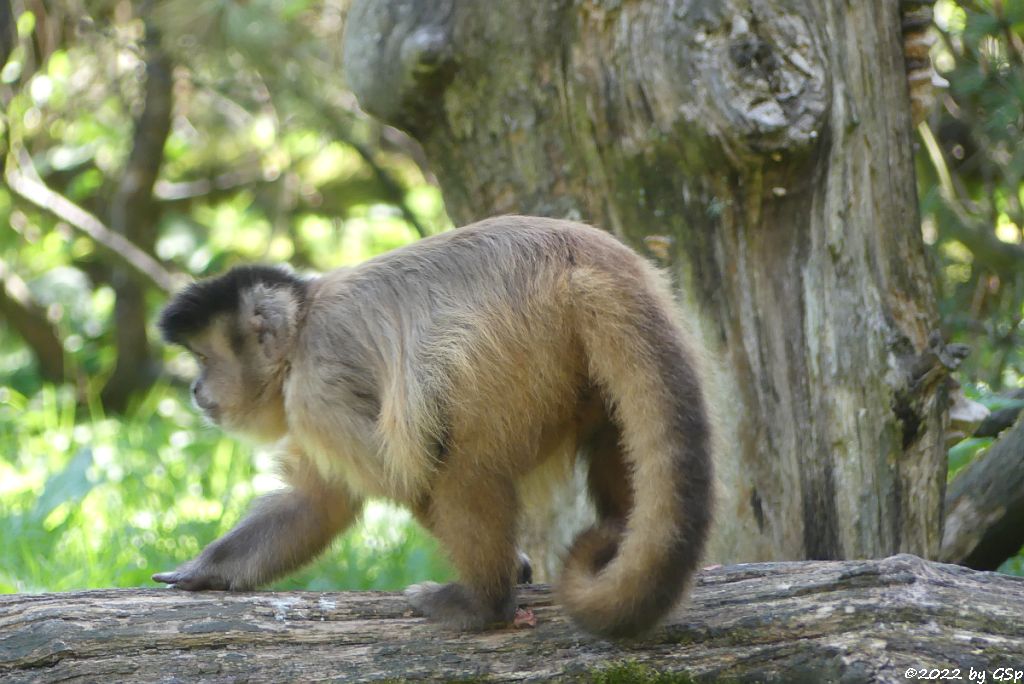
[(30, 323), (985, 506), (1004, 257), (1000, 419), (183, 191), (393, 190), (135, 214), (37, 193), (851, 621)]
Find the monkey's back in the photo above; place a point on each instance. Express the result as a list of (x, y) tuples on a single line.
[(466, 337)]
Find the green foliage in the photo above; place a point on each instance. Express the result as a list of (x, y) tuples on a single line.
[(970, 448), (94, 501), (255, 169), (971, 172), (963, 452), (1015, 565)]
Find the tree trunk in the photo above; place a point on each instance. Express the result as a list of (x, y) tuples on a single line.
[(8, 31), (853, 621), (760, 149), (134, 215)]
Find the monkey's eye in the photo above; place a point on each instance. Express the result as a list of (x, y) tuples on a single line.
[(201, 358)]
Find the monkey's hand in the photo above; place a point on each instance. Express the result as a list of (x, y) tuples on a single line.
[(283, 530), (196, 575), (224, 565)]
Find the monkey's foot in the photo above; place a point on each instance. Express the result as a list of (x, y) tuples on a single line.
[(455, 606), (524, 618)]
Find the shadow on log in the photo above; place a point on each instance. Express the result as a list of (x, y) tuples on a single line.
[(816, 621)]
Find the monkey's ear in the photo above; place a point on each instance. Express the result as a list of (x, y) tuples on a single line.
[(271, 314)]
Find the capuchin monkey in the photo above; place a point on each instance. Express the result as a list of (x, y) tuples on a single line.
[(439, 376)]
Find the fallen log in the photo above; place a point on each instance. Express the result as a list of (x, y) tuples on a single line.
[(894, 620)]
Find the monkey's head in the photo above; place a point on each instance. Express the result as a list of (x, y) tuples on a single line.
[(240, 327)]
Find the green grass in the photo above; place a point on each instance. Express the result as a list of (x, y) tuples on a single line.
[(88, 500)]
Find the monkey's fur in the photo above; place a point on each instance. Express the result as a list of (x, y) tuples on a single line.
[(440, 375)]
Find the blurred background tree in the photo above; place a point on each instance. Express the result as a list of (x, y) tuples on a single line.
[(143, 144), (971, 169), (970, 166), (150, 142)]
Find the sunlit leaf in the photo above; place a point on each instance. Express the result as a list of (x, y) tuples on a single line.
[(68, 486)]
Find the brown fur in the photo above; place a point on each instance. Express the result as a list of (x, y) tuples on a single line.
[(441, 375)]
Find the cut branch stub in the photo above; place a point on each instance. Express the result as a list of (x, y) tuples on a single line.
[(743, 80), (398, 57)]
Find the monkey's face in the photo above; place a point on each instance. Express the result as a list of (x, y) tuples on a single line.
[(235, 389), (240, 327)]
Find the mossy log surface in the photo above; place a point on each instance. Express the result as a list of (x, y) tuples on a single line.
[(814, 621)]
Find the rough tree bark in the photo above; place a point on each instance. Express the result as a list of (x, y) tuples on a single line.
[(760, 149), (851, 621), (985, 506)]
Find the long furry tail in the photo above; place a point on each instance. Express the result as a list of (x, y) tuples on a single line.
[(621, 580)]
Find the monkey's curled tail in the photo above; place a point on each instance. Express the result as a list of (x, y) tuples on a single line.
[(622, 579)]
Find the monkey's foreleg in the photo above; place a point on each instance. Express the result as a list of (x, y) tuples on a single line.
[(284, 530), (474, 518)]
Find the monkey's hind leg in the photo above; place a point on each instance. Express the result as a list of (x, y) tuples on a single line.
[(473, 515)]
